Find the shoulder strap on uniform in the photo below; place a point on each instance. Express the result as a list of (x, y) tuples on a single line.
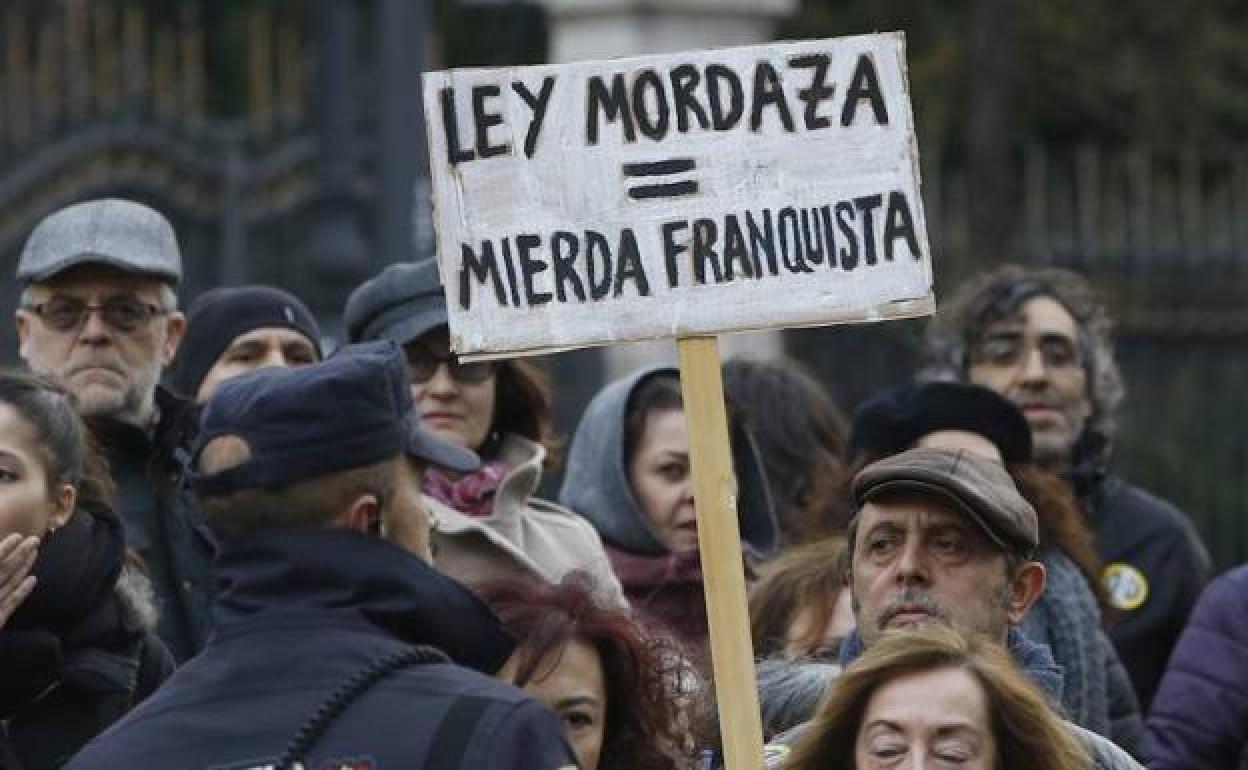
[(446, 751), (349, 692)]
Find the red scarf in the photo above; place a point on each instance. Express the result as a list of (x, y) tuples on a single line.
[(471, 493)]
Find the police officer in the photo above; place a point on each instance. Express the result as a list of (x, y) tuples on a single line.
[(332, 644)]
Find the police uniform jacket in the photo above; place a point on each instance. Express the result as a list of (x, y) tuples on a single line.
[(298, 614)]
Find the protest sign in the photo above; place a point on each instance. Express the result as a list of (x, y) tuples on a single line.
[(686, 194), (682, 195)]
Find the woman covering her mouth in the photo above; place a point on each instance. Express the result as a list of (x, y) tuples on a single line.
[(79, 650)]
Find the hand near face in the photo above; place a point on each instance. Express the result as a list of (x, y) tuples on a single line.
[(17, 556)]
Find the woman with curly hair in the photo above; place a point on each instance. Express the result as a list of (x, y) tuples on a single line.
[(618, 688), (934, 698)]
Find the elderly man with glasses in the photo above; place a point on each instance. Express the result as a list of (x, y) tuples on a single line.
[(99, 313)]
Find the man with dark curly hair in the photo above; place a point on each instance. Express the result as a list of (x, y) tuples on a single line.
[(1041, 338)]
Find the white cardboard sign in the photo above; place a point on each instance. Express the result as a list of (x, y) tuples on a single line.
[(663, 196)]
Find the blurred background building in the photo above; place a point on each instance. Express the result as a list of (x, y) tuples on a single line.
[(284, 139)]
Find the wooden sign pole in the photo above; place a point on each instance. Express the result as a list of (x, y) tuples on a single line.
[(719, 543)]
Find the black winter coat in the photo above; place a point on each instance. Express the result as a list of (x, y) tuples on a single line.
[(79, 652), (161, 519), (1154, 569)]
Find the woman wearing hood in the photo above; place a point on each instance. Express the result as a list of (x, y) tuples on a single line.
[(79, 649), (628, 472)]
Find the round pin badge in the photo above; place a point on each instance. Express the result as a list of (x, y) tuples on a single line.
[(1127, 587)]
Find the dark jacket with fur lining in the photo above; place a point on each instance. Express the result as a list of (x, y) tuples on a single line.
[(82, 650)]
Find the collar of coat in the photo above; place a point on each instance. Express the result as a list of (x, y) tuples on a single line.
[(331, 571)]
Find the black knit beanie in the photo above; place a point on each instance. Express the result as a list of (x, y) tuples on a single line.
[(220, 316)]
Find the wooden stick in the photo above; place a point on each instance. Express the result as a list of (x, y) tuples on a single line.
[(719, 542)]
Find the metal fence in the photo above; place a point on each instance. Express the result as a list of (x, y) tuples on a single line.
[(257, 128), (1163, 234)]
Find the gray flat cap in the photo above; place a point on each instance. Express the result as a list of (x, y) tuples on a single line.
[(111, 231), (977, 485), (400, 304)]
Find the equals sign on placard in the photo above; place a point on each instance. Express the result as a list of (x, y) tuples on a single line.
[(667, 188)]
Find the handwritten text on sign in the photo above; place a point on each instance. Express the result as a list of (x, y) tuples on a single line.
[(727, 190)]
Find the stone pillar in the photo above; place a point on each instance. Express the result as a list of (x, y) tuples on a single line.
[(603, 29)]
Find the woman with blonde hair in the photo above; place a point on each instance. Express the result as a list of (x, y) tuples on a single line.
[(933, 698)]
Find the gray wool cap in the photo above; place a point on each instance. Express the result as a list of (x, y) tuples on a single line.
[(111, 231), (977, 485), (400, 304)]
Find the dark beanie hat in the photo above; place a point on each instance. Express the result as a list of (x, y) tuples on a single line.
[(220, 316), (894, 420)]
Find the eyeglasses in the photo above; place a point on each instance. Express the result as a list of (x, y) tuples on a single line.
[(125, 314), (423, 363)]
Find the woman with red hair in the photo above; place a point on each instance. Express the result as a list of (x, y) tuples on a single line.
[(618, 688)]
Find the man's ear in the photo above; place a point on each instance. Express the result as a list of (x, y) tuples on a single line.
[(175, 327), (1025, 588), (364, 515)]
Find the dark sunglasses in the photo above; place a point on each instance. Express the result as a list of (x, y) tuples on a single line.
[(125, 314), (423, 363)]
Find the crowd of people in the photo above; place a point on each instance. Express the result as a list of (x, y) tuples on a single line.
[(223, 546)]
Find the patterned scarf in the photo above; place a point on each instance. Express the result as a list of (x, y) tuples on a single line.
[(472, 493)]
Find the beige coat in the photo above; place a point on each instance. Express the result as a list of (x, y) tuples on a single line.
[(523, 535)]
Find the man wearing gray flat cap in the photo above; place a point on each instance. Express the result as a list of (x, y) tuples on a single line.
[(99, 313)]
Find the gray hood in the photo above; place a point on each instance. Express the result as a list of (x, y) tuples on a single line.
[(596, 485)]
